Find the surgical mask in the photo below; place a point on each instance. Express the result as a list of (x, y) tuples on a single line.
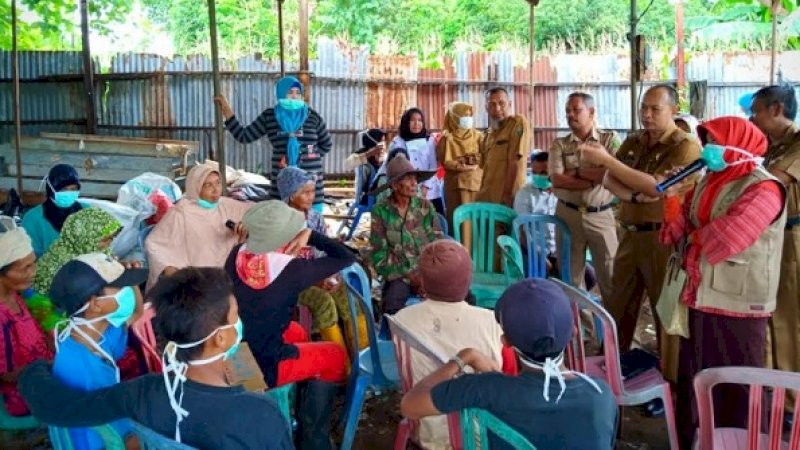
[(466, 122), (126, 304), (541, 181), (292, 103), (205, 204), (714, 157), (171, 364), (65, 199), (552, 369)]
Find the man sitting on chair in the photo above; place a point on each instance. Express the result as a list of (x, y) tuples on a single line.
[(574, 411)]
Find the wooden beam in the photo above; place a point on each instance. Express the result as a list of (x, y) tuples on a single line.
[(15, 75), (88, 71), (220, 154), (280, 38)]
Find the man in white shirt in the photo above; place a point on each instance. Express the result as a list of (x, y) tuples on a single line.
[(446, 323)]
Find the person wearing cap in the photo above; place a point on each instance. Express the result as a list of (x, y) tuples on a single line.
[(100, 298), (22, 340), (446, 323), (44, 222), (194, 232), (198, 321), (328, 300), (401, 225), (554, 408), (368, 160), (297, 133), (267, 279)]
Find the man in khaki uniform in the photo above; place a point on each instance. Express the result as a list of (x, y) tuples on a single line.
[(505, 150), (583, 203), (774, 110), (641, 260)]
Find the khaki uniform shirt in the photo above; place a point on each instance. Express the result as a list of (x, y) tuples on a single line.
[(674, 149), (509, 142), (784, 155), (565, 157)]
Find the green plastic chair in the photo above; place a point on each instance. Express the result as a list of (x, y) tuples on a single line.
[(14, 423), (475, 425), (488, 284), (512, 259), (60, 439), (283, 397)]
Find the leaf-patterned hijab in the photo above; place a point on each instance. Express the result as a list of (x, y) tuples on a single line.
[(82, 233)]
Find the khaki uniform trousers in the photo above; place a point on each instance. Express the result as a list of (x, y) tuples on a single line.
[(783, 338), (453, 198), (639, 268), (598, 231)]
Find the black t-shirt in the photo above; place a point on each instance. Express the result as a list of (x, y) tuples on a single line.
[(219, 417), (583, 419)]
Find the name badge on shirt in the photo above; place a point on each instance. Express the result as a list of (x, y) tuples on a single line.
[(416, 145)]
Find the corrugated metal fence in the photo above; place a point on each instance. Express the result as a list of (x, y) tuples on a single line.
[(151, 96)]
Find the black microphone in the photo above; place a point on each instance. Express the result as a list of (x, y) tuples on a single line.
[(230, 224), (678, 177)]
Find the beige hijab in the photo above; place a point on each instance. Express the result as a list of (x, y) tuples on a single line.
[(190, 235)]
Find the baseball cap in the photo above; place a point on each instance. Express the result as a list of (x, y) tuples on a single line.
[(536, 317), (86, 275)]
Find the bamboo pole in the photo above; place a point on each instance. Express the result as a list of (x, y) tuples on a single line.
[(88, 71), (15, 74), (634, 66), (773, 51), (280, 38), (531, 76), (220, 154)]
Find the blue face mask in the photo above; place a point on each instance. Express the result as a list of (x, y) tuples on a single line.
[(65, 199), (292, 103), (541, 181), (205, 204), (126, 304), (714, 157), (239, 327)]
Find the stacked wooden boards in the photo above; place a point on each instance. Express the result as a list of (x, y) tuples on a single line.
[(104, 163)]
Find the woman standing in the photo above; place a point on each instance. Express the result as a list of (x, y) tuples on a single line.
[(458, 152), (421, 149), (297, 133), (43, 223)]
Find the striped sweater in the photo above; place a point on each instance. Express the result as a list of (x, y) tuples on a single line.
[(315, 142)]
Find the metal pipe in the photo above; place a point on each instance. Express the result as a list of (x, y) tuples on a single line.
[(15, 74), (634, 66), (280, 37), (212, 21), (88, 71)]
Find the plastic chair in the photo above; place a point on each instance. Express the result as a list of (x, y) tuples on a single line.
[(356, 208), (443, 224), (404, 341), (487, 283), (512, 259), (61, 440), (374, 367), (150, 440), (485, 421), (710, 438), (535, 228), (638, 390), (15, 423)]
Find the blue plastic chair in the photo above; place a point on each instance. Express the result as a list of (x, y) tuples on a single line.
[(14, 423), (150, 440), (534, 227), (356, 208), (443, 225), (512, 259), (374, 367), (475, 425), (487, 283), (61, 440)]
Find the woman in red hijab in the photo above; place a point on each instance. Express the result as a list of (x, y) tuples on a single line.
[(731, 226)]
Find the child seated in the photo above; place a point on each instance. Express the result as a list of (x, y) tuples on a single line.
[(21, 340), (99, 297), (198, 317)]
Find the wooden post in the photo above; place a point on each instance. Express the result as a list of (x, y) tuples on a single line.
[(15, 74), (88, 71), (531, 76), (634, 66), (280, 37), (212, 21), (303, 48), (773, 51), (680, 59)]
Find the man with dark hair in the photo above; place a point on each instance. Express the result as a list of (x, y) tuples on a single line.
[(537, 197), (504, 151), (198, 323), (554, 408), (583, 202), (774, 111)]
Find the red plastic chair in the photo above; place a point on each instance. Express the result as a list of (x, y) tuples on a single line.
[(752, 438), (404, 342), (143, 329), (638, 390)]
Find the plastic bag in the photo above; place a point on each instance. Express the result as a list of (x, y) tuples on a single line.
[(135, 193), (674, 315), (131, 220)]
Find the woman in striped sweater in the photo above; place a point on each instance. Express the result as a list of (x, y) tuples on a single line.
[(297, 133)]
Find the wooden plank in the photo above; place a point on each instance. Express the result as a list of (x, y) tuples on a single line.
[(119, 139), (103, 175), (95, 161), (151, 150), (88, 189)]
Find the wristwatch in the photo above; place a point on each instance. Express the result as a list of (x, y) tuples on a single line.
[(460, 363)]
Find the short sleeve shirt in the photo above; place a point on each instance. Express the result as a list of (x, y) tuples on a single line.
[(500, 145), (674, 149), (565, 157), (785, 155)]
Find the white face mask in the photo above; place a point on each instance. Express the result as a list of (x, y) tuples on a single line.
[(466, 122), (171, 364), (552, 368)]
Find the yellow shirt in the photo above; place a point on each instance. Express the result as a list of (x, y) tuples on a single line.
[(508, 143)]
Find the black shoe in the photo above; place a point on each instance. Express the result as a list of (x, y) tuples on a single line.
[(653, 408), (314, 415)]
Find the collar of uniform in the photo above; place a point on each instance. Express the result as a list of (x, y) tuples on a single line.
[(790, 135), (595, 136), (664, 139)]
